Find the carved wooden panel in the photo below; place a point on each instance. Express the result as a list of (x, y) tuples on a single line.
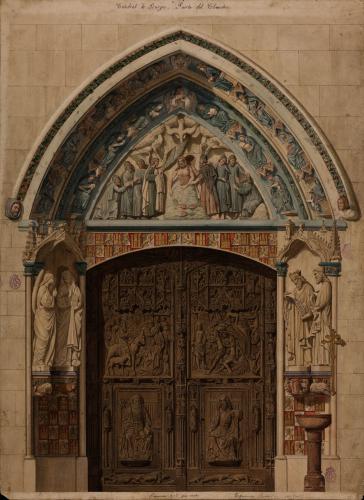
[(186, 364)]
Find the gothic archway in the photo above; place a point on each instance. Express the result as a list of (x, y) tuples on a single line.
[(226, 96), (141, 158)]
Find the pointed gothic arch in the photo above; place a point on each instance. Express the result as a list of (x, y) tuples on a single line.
[(315, 178)]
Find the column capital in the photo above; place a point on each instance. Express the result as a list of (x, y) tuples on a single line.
[(81, 267), (32, 268), (281, 268), (331, 268)]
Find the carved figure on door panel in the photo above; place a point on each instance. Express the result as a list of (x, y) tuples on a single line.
[(199, 347), (136, 436), (123, 354), (226, 349), (224, 437)]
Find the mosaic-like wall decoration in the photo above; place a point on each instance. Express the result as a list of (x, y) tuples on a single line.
[(56, 415), (295, 438), (261, 246), (214, 79)]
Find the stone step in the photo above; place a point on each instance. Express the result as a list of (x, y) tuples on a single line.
[(184, 495)]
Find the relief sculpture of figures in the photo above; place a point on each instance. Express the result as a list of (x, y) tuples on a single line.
[(226, 346), (181, 171), (136, 436), (299, 306), (69, 321), (321, 326), (44, 309), (224, 439)]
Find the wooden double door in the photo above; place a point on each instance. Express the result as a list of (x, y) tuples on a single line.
[(181, 372)]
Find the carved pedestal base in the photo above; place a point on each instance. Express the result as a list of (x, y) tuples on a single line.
[(314, 425)]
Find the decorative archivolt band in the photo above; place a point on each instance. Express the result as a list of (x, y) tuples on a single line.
[(223, 86)]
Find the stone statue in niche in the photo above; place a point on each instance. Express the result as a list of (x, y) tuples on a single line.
[(224, 438), (136, 436), (44, 308), (308, 320), (321, 326), (298, 320), (69, 321)]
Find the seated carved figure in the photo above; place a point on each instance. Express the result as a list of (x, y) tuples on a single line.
[(223, 439), (136, 437)]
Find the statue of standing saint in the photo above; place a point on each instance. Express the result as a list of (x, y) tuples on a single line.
[(298, 320), (44, 323), (321, 326), (69, 318), (75, 324)]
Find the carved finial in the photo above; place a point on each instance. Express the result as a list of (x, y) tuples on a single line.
[(335, 242)]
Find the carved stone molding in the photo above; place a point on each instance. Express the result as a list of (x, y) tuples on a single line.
[(324, 243), (44, 237)]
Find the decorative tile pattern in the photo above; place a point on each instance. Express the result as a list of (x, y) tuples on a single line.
[(295, 439), (56, 417), (261, 246)]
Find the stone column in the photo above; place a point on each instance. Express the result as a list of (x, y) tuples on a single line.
[(31, 269), (333, 269), (280, 461), (82, 464)]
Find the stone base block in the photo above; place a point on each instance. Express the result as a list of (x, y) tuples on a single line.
[(82, 474), (30, 474), (331, 469), (56, 474), (185, 495), (280, 473)]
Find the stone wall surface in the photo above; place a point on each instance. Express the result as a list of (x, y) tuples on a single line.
[(49, 49)]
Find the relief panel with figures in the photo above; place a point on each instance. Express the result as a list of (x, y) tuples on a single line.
[(186, 368)]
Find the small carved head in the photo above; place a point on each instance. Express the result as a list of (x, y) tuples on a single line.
[(319, 275), (222, 160), (232, 160), (67, 277), (297, 278), (137, 402), (225, 403), (141, 163), (343, 203)]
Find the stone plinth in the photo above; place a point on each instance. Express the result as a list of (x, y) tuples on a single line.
[(314, 425)]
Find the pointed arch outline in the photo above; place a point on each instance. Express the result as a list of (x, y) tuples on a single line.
[(316, 145)]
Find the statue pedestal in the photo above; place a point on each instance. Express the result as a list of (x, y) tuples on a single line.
[(314, 425)]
